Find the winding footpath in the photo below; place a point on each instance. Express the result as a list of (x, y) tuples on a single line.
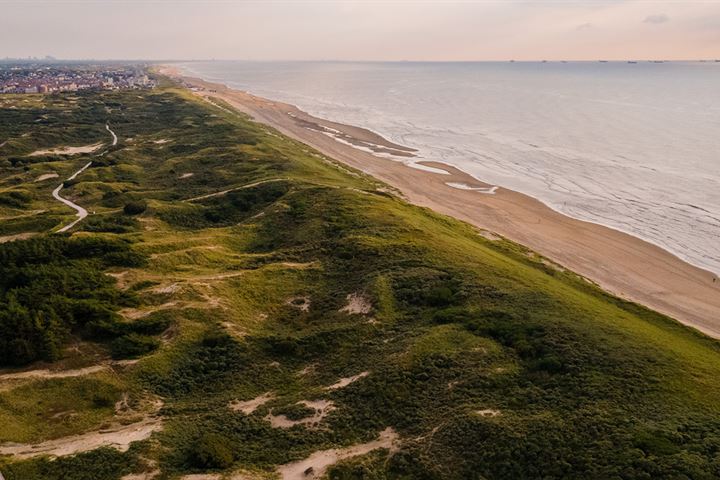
[(81, 212)]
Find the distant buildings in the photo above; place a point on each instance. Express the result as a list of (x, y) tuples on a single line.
[(52, 78)]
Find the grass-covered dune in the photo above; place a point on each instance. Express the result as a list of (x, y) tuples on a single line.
[(223, 262)]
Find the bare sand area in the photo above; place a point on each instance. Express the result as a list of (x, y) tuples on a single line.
[(119, 437), (317, 464), (67, 150), (620, 263)]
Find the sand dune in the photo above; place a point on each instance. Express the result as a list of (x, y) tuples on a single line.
[(620, 263)]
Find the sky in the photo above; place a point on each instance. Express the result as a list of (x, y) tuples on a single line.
[(425, 30)]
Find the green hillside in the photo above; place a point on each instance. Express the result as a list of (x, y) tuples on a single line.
[(223, 262)]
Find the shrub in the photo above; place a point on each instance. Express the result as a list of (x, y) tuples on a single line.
[(15, 198), (212, 451), (135, 207), (132, 345)]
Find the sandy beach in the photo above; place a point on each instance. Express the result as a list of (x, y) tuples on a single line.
[(620, 263)]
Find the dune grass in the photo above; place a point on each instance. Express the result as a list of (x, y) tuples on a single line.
[(252, 284)]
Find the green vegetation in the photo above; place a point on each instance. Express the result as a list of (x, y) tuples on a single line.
[(51, 287), (233, 281)]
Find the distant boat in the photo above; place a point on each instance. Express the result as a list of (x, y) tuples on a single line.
[(632, 61), (564, 61), (544, 61), (512, 61), (603, 61), (658, 61)]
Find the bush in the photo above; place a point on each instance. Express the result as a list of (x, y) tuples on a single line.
[(15, 198), (132, 345), (135, 207), (52, 286), (212, 451)]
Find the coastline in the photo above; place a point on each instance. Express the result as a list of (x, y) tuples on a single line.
[(622, 264)]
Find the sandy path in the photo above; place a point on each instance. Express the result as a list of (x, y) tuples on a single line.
[(81, 212), (119, 437), (320, 461), (344, 382), (225, 192), (620, 263), (10, 380), (249, 406)]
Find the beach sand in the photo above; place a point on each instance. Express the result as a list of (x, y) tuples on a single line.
[(624, 265)]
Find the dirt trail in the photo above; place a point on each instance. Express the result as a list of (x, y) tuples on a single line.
[(119, 437), (9, 380), (344, 382), (81, 212), (316, 464), (45, 373), (224, 192), (249, 406)]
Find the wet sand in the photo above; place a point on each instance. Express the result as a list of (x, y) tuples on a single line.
[(620, 263)]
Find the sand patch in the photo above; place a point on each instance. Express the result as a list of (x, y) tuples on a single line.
[(186, 175), (489, 235), (8, 381), (358, 304), (172, 288), (45, 373), (141, 476), (249, 406), (119, 437), (66, 150), (46, 176), (307, 370), (322, 409), (17, 236), (344, 382), (316, 464), (301, 303), (134, 313), (488, 412)]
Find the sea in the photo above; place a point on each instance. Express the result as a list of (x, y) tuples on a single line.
[(632, 146)]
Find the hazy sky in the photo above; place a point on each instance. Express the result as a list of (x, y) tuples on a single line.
[(361, 29)]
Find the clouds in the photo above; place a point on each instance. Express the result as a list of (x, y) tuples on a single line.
[(361, 29), (657, 19)]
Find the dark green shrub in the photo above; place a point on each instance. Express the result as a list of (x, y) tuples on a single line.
[(132, 345), (212, 451), (15, 198), (135, 207), (296, 411)]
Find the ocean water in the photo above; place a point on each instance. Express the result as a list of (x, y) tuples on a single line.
[(635, 147)]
